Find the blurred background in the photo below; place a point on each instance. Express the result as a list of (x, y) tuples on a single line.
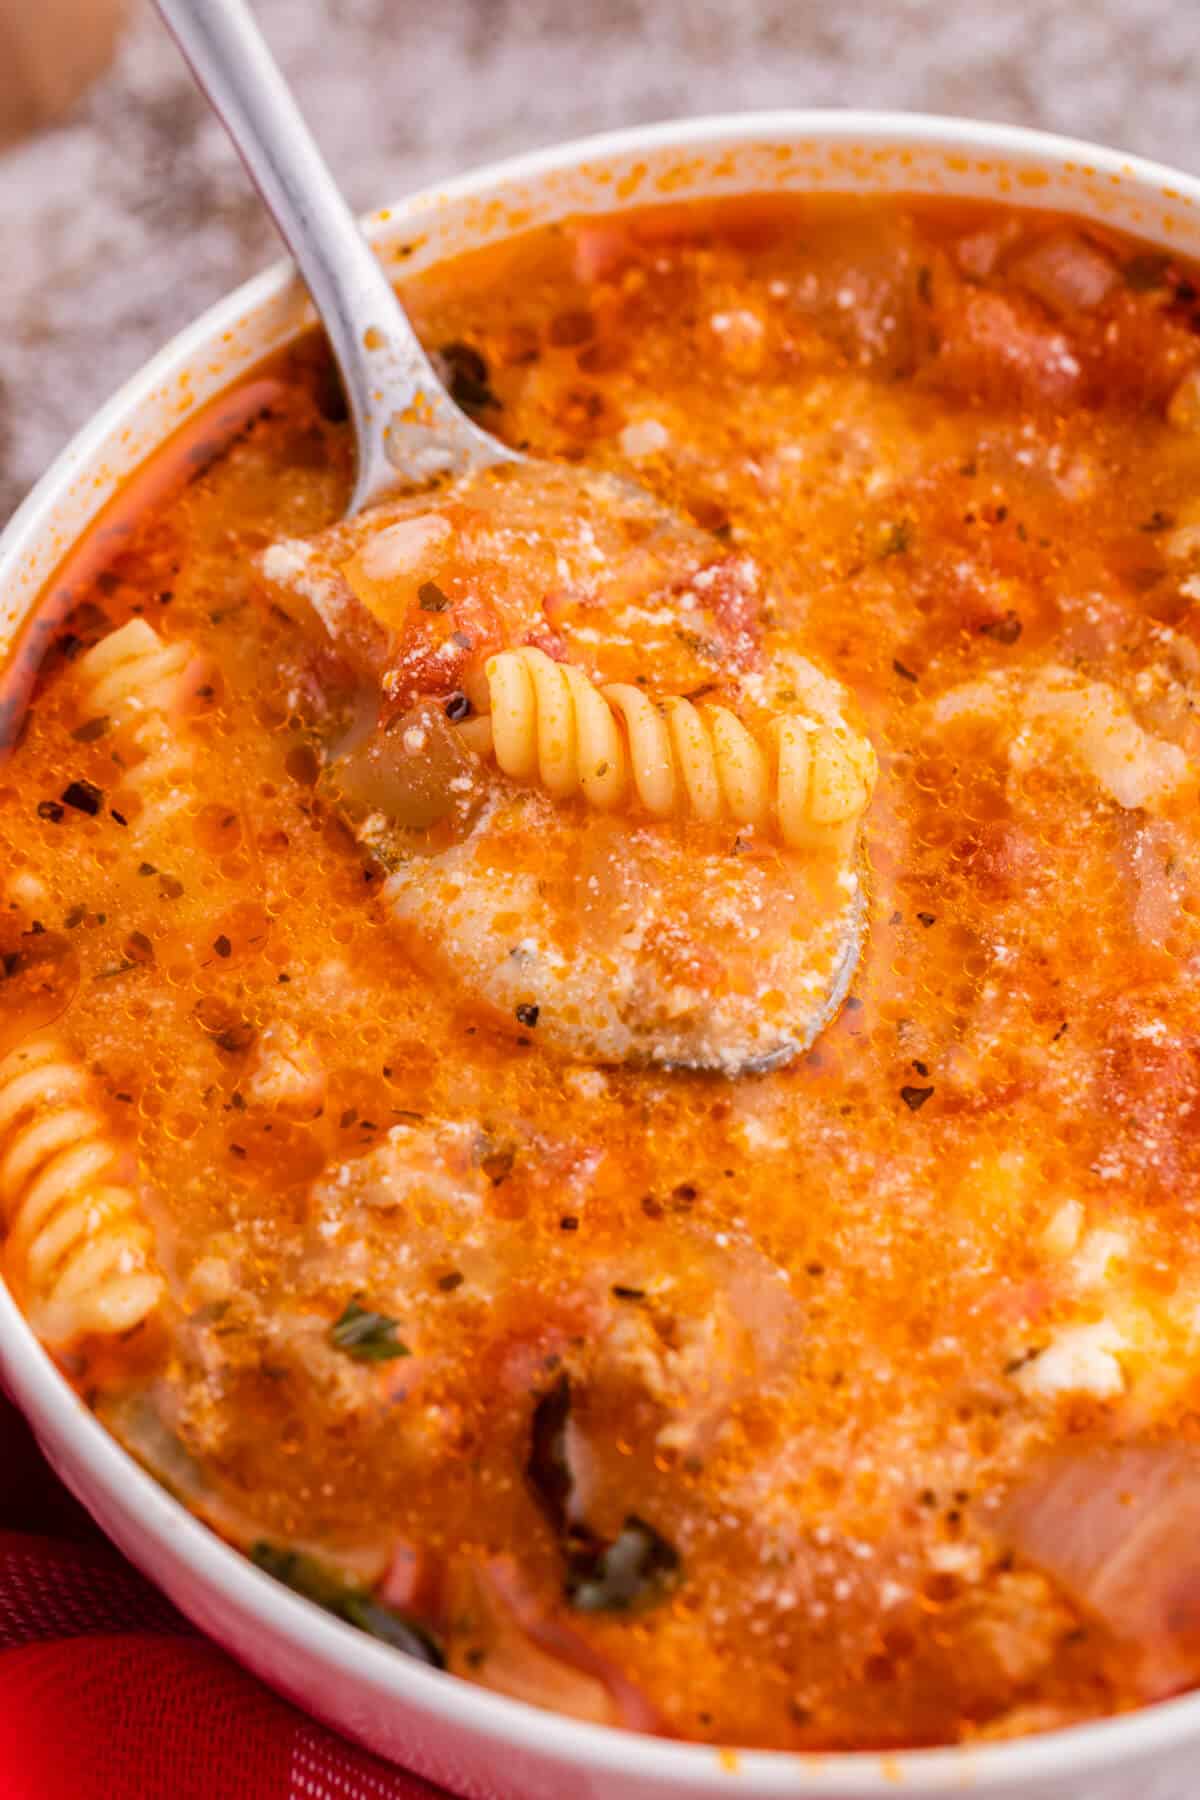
[(123, 212)]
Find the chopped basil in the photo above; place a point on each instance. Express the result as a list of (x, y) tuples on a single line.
[(305, 1575), (546, 1468), (302, 1573), (638, 1569), (367, 1336), (394, 1629)]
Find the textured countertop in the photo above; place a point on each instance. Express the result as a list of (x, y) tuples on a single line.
[(121, 224)]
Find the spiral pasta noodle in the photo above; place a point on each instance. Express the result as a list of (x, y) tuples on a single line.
[(75, 1244), (809, 781), (139, 682)]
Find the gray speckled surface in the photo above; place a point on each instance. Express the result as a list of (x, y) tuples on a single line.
[(127, 220)]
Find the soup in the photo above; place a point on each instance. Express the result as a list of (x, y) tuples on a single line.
[(412, 1150)]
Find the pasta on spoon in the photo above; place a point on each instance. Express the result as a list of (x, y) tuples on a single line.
[(607, 803), (681, 960)]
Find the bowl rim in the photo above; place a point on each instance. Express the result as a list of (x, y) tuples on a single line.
[(69, 1431)]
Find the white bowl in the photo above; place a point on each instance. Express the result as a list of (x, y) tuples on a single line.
[(476, 1742)]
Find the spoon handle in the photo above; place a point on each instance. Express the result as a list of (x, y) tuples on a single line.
[(406, 425)]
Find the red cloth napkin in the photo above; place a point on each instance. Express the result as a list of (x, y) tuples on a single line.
[(107, 1693)]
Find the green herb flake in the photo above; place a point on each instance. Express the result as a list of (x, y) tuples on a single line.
[(392, 1628), (366, 1336), (306, 1576)]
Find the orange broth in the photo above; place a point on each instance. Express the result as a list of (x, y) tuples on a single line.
[(702, 1405)]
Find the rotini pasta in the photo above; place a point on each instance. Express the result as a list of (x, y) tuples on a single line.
[(139, 684), (809, 780), (75, 1245)]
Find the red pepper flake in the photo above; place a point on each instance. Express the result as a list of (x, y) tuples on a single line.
[(528, 1015), (1005, 630), (222, 945), (497, 1165), (927, 919), (91, 730), (899, 669), (569, 1223), (915, 1097), (49, 809), (430, 597), (139, 948), (84, 796)]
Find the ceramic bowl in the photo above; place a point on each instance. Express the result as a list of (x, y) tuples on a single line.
[(478, 1743)]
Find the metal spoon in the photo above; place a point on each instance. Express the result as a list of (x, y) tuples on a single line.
[(407, 428)]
